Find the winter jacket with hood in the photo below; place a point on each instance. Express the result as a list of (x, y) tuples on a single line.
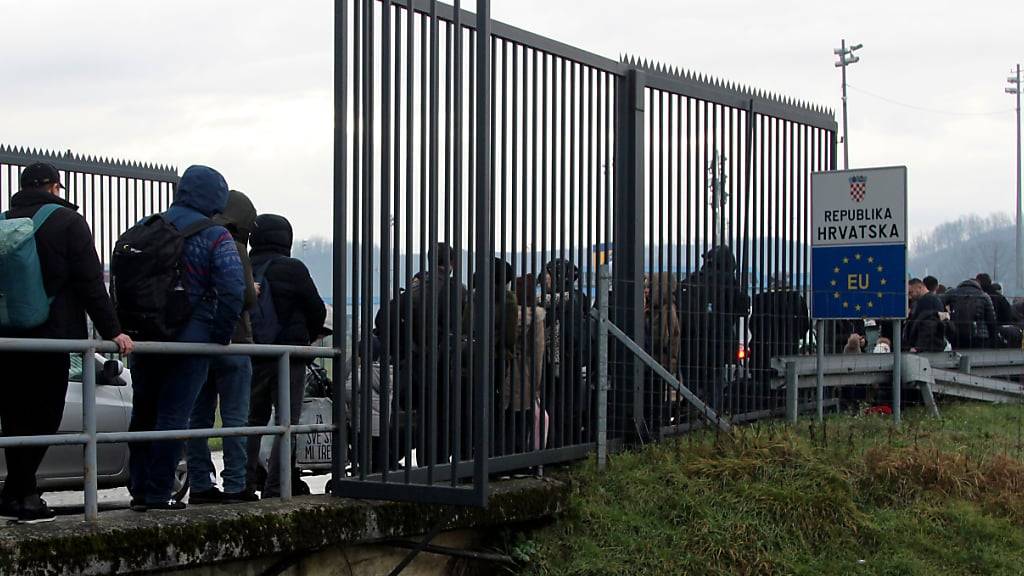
[(778, 321), (713, 301), (984, 325), (213, 268), (238, 217), (72, 273), (300, 311), (924, 331)]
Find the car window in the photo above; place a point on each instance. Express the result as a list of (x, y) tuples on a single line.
[(75, 372)]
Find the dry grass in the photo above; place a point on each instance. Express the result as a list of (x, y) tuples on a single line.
[(853, 497)]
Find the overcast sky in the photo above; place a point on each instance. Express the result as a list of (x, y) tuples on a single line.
[(245, 86)]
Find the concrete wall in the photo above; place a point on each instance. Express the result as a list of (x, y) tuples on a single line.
[(357, 560)]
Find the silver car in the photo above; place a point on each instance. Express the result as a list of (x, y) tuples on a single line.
[(62, 468)]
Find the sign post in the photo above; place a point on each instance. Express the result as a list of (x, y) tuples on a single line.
[(859, 251)]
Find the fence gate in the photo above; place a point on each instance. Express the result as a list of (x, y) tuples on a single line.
[(484, 176), (416, 201)]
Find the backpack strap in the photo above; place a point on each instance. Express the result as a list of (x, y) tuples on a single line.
[(42, 214), (261, 270), (197, 227)]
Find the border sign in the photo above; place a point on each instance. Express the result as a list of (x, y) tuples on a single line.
[(859, 243)]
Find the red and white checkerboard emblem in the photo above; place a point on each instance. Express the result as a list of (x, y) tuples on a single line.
[(858, 188)]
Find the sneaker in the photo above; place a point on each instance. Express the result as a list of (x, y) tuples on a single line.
[(139, 506), (211, 496), (34, 511), (169, 505), (9, 509), (247, 495)]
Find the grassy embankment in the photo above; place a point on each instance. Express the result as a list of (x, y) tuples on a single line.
[(852, 497)]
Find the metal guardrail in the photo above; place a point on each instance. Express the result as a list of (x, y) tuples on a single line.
[(970, 374), (90, 438)]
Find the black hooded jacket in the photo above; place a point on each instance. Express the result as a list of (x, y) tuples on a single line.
[(72, 273), (924, 330), (972, 332), (300, 310)]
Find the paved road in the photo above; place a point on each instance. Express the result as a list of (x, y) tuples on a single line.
[(66, 503)]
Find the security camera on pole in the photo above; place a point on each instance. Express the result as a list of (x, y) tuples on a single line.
[(846, 58), (1014, 88)]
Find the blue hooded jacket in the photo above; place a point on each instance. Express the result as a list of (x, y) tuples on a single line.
[(213, 270)]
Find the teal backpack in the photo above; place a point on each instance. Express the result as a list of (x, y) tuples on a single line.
[(23, 300)]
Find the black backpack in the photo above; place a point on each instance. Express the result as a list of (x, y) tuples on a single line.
[(147, 280), (265, 325), (963, 313)]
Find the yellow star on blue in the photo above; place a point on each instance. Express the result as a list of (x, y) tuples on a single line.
[(856, 282)]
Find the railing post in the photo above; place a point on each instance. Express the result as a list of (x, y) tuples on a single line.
[(89, 428), (284, 418), (791, 392), (602, 367)]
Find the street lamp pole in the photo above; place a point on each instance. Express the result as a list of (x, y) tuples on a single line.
[(846, 58), (1014, 88)]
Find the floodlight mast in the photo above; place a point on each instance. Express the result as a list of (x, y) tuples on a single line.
[(1014, 88), (846, 58)]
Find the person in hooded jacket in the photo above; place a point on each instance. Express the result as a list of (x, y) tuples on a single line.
[(503, 344), (166, 387), (972, 316), (778, 321), (713, 301), (33, 385), (300, 313), (1005, 314), (228, 382)]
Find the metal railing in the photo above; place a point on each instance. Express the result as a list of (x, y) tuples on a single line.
[(90, 438)]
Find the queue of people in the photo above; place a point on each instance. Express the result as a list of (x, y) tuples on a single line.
[(185, 275)]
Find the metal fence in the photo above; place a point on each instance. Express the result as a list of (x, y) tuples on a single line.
[(475, 239), (112, 195), (488, 175)]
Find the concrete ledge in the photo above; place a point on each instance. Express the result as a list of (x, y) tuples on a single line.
[(125, 542)]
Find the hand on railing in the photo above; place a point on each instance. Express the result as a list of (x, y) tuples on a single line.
[(124, 344)]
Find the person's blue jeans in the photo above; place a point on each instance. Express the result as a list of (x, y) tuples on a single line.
[(230, 380), (165, 389)]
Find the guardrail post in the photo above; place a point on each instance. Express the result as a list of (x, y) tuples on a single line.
[(897, 376), (819, 377), (602, 367), (284, 418), (791, 392), (89, 428), (965, 364)]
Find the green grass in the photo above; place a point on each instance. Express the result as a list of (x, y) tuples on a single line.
[(854, 496)]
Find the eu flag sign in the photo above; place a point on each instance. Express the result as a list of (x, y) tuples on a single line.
[(860, 281), (858, 243)]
